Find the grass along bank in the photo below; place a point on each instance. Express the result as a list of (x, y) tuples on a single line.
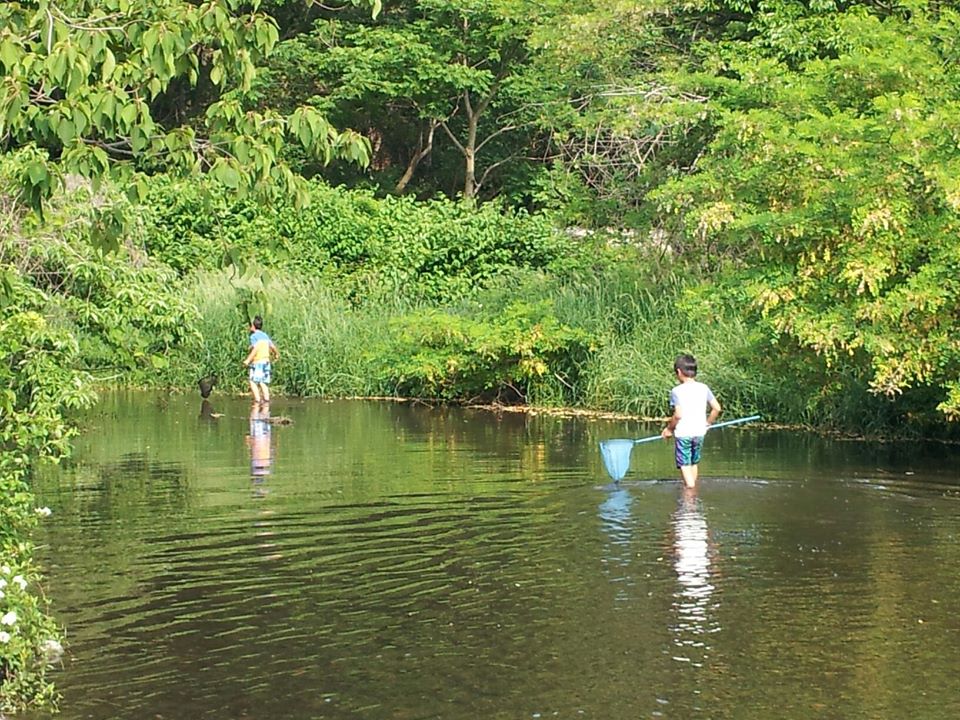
[(606, 343)]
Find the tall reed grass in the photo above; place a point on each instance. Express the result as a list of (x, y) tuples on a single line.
[(327, 346), (637, 321), (643, 323), (640, 319)]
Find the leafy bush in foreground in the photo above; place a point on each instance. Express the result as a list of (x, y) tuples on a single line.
[(37, 385)]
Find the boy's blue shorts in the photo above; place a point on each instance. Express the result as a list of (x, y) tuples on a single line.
[(260, 372), (688, 450)]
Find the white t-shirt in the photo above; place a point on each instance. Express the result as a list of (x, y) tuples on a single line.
[(692, 400)]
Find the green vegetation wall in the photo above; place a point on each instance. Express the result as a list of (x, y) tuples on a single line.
[(437, 250)]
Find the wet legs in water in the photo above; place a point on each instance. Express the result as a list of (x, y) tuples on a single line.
[(260, 392)]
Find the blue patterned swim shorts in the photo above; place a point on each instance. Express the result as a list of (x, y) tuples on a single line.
[(260, 372), (688, 450)]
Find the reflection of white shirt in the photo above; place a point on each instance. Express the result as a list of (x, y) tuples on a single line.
[(693, 557), (693, 600), (691, 398)]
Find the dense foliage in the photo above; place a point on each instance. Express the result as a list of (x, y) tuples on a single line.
[(448, 90), (66, 307), (39, 380), (435, 250), (800, 153), (830, 186), (118, 86)]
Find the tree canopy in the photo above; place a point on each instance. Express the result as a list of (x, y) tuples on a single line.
[(117, 86), (831, 181)]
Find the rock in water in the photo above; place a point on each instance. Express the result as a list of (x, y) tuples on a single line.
[(206, 385)]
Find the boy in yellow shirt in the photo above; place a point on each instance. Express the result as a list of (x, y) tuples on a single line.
[(262, 350)]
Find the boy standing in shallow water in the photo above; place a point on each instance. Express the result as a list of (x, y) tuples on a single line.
[(258, 360), (690, 400)]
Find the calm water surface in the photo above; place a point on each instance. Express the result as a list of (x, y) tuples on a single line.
[(378, 560)]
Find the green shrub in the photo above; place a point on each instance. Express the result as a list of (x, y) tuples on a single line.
[(435, 250), (37, 386), (506, 357)]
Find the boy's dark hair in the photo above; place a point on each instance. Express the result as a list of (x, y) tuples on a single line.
[(258, 322), (686, 364)]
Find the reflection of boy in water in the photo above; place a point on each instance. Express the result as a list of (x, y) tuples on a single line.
[(692, 547), (261, 452), (693, 602)]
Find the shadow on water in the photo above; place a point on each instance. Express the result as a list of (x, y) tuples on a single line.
[(378, 560)]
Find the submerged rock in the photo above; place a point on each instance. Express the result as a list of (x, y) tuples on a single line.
[(206, 385)]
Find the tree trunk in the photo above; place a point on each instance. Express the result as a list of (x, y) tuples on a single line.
[(470, 148), (423, 149)]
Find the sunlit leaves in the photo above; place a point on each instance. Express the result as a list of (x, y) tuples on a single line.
[(503, 357), (840, 180), (90, 82)]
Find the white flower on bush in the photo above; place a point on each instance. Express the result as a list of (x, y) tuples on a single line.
[(2, 594), (3, 583), (43, 512), (52, 649), (19, 581), (5, 569), (9, 619), (4, 636)]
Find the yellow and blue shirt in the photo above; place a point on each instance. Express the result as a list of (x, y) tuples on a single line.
[(260, 342)]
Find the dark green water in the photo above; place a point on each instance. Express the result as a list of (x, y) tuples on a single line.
[(377, 560)]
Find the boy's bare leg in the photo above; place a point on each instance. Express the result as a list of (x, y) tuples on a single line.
[(255, 391), (689, 473), (265, 393)]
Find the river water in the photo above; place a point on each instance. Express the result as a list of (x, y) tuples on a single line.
[(383, 560)]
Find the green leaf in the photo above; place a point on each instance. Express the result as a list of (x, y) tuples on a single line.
[(9, 55), (13, 109), (139, 140), (80, 120), (37, 172), (226, 174), (66, 131), (59, 68), (128, 113), (108, 66)]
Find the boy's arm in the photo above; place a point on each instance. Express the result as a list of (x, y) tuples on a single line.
[(273, 349), (671, 424), (249, 358), (715, 411)]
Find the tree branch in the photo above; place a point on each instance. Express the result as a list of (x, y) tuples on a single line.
[(492, 167), (453, 139), (491, 136)]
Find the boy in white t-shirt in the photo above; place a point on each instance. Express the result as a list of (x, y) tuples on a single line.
[(690, 400)]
